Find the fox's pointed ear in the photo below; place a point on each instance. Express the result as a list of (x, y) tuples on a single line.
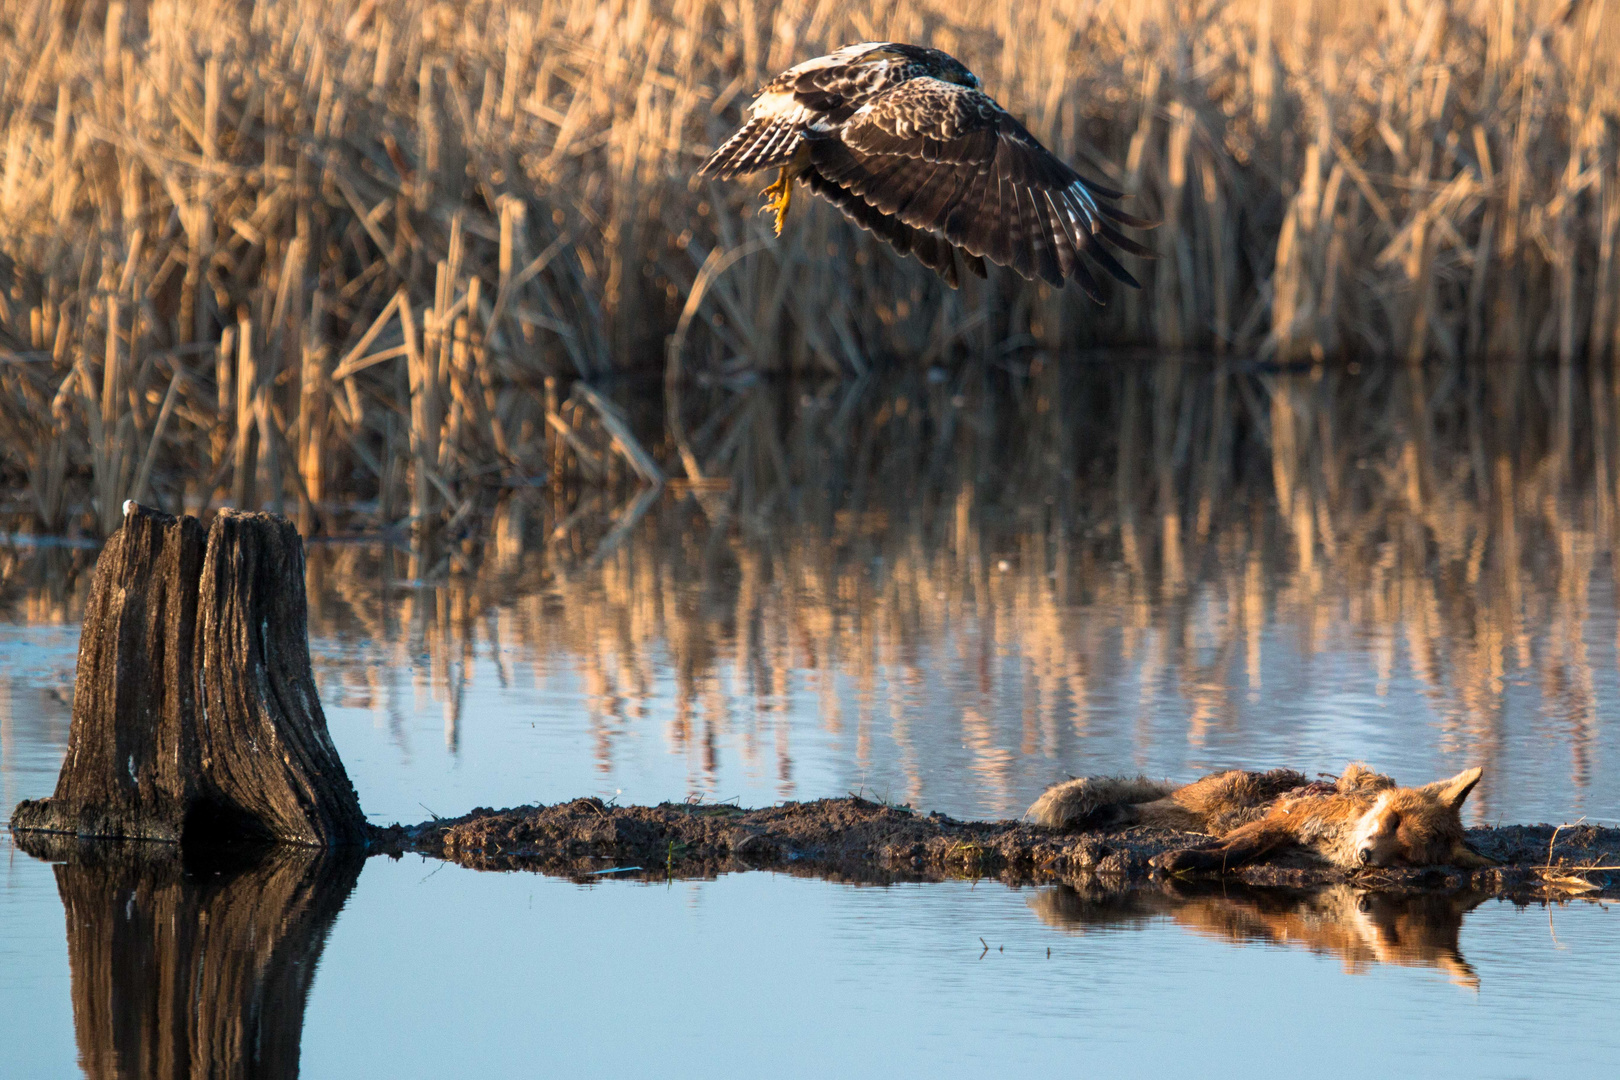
[(1452, 792)]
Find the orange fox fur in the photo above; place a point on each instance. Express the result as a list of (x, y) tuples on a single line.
[(1362, 819)]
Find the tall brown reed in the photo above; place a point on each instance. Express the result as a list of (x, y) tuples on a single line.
[(298, 252)]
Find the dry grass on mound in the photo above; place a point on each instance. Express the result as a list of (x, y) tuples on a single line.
[(290, 251)]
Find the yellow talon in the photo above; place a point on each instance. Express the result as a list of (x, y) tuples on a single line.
[(779, 196)]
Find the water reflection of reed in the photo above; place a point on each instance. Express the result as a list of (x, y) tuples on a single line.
[(183, 970), (976, 567)]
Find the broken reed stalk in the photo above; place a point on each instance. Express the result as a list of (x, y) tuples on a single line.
[(195, 713), (1569, 879), (1431, 180)]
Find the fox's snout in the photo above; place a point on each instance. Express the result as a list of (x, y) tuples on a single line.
[(1375, 839), (1383, 851)]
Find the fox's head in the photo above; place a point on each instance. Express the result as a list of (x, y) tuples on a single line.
[(1418, 826)]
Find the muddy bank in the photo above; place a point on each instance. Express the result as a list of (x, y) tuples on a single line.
[(854, 839)]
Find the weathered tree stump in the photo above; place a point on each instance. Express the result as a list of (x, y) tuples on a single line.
[(195, 713), (261, 734), (193, 967)]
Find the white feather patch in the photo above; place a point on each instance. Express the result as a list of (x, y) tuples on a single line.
[(776, 105)]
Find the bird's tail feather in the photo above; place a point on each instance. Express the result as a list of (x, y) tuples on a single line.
[(760, 144)]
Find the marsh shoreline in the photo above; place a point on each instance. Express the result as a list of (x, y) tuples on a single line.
[(855, 839)]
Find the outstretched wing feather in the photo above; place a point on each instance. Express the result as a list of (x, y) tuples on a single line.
[(1104, 258), (1125, 219), (1124, 243), (961, 218), (977, 177), (1087, 283), (1040, 235), (933, 251), (1062, 239)]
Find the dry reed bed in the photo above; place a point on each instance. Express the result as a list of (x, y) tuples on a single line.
[(983, 595), (297, 252)]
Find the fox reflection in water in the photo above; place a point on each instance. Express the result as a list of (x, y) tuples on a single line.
[(186, 968), (1362, 928)]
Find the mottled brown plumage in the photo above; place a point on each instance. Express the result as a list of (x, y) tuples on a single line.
[(903, 141)]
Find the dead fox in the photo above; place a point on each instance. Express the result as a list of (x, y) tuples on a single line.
[(1361, 819)]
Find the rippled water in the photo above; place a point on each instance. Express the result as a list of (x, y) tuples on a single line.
[(942, 641)]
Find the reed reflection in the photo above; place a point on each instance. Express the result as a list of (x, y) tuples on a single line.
[(183, 968), (1001, 574), (1362, 929)]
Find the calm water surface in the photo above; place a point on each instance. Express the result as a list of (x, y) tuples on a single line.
[(946, 648)]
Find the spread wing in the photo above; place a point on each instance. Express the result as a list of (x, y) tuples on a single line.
[(933, 251), (946, 159), (823, 91)]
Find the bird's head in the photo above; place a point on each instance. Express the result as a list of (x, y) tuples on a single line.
[(952, 70), (940, 65)]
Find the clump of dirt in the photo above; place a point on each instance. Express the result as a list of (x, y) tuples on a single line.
[(860, 840)]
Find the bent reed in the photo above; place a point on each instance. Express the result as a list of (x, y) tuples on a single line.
[(301, 252)]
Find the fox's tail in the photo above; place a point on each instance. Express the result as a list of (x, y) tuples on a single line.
[(1094, 801)]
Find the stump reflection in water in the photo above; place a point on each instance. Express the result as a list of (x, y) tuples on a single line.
[(1363, 929), (182, 968)]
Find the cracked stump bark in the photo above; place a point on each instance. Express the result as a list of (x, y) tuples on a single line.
[(195, 713), (261, 734)]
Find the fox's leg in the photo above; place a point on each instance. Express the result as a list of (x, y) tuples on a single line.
[(1241, 845)]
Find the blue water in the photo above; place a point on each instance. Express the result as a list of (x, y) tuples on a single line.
[(431, 970), (512, 975)]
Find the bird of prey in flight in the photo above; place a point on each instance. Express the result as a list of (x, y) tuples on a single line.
[(904, 142)]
